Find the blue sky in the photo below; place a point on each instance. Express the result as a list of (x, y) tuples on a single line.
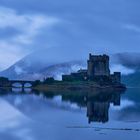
[(100, 26)]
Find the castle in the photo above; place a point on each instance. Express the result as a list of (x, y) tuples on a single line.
[(97, 71)]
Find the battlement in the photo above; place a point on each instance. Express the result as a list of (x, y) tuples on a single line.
[(103, 57)]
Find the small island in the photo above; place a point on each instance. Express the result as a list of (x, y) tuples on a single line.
[(97, 76)]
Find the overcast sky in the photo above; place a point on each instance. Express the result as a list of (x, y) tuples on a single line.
[(101, 26)]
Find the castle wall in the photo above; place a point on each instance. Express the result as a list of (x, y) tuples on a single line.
[(116, 77), (67, 78), (79, 76), (90, 69)]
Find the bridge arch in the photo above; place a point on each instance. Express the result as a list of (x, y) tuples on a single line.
[(28, 85), (16, 85)]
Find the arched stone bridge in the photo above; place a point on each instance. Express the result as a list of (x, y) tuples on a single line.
[(21, 82)]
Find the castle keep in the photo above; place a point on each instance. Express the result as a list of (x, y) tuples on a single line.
[(97, 71), (98, 65)]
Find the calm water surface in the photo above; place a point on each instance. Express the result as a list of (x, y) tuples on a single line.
[(34, 115)]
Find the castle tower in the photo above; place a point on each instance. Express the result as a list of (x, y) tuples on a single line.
[(98, 65)]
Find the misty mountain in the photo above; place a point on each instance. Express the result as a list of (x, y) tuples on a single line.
[(35, 66), (16, 72), (44, 63)]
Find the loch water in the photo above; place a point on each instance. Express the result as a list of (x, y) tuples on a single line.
[(34, 115)]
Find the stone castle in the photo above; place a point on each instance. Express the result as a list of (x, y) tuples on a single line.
[(97, 70)]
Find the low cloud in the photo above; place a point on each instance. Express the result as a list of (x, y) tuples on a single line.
[(132, 27), (19, 70), (124, 104), (128, 60), (28, 25), (27, 28), (9, 53), (124, 70)]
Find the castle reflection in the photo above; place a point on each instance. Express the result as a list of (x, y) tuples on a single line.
[(98, 110), (96, 103)]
